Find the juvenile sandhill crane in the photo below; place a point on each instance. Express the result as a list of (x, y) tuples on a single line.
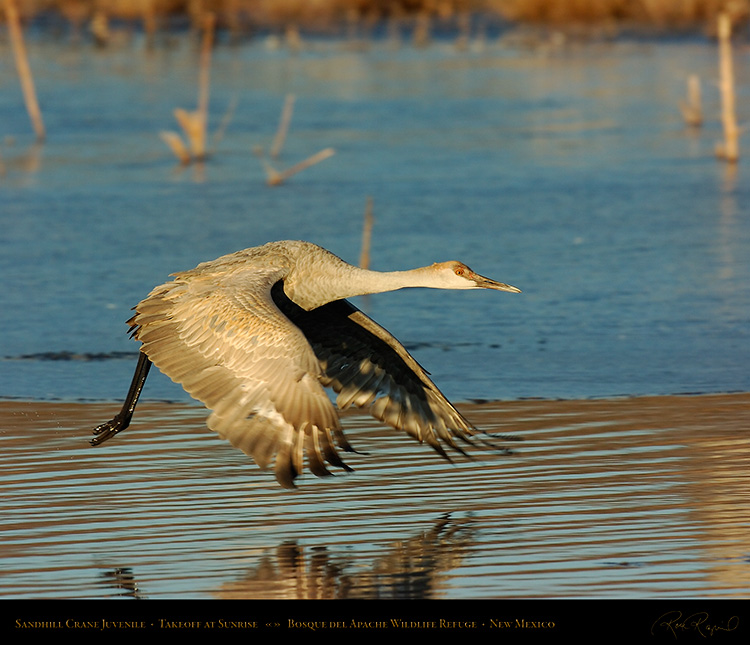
[(257, 334)]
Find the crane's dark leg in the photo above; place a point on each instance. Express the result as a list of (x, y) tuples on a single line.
[(122, 419)]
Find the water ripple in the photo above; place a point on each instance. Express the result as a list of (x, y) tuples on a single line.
[(604, 498)]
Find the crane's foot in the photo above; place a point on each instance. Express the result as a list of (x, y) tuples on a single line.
[(122, 418), (108, 430)]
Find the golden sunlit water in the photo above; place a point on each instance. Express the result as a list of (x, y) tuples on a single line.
[(635, 497)]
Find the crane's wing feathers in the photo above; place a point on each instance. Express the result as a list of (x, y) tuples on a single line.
[(232, 349), (259, 362), (370, 368)]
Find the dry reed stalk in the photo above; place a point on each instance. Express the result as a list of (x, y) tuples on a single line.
[(209, 24), (692, 110), (293, 37), (194, 124), (150, 21), (729, 150), (364, 258), (394, 32), (175, 143), (286, 117), (464, 31), (99, 27), (24, 69), (421, 36), (275, 177), (224, 124)]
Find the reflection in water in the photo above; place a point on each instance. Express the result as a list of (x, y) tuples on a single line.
[(26, 165), (123, 580), (644, 497), (407, 570)]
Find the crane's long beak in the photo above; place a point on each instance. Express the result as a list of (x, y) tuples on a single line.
[(486, 283)]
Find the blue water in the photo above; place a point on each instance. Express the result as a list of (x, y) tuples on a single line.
[(568, 173)]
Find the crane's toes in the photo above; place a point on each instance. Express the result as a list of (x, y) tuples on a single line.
[(108, 430)]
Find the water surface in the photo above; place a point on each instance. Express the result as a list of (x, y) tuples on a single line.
[(641, 498), (565, 171), (568, 173)]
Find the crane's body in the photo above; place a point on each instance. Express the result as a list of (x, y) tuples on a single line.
[(256, 336)]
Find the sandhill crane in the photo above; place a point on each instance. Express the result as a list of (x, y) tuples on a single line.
[(256, 336)]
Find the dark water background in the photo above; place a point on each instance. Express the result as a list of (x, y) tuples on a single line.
[(565, 170)]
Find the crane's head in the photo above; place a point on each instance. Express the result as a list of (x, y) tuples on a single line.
[(456, 275)]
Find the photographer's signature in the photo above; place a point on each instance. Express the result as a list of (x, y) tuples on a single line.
[(699, 622)]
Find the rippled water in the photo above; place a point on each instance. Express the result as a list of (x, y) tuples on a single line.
[(639, 498), (567, 172)]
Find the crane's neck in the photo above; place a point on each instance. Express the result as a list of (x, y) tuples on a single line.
[(349, 281)]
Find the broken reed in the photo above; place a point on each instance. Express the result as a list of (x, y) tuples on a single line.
[(276, 178), (286, 117), (194, 124)]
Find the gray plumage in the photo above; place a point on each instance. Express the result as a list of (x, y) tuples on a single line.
[(258, 334)]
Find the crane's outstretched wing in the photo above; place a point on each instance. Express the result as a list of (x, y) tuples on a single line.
[(370, 368), (226, 342)]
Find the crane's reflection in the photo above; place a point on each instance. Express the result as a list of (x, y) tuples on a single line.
[(123, 581), (409, 569)]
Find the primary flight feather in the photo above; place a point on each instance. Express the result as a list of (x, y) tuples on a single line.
[(256, 336)]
